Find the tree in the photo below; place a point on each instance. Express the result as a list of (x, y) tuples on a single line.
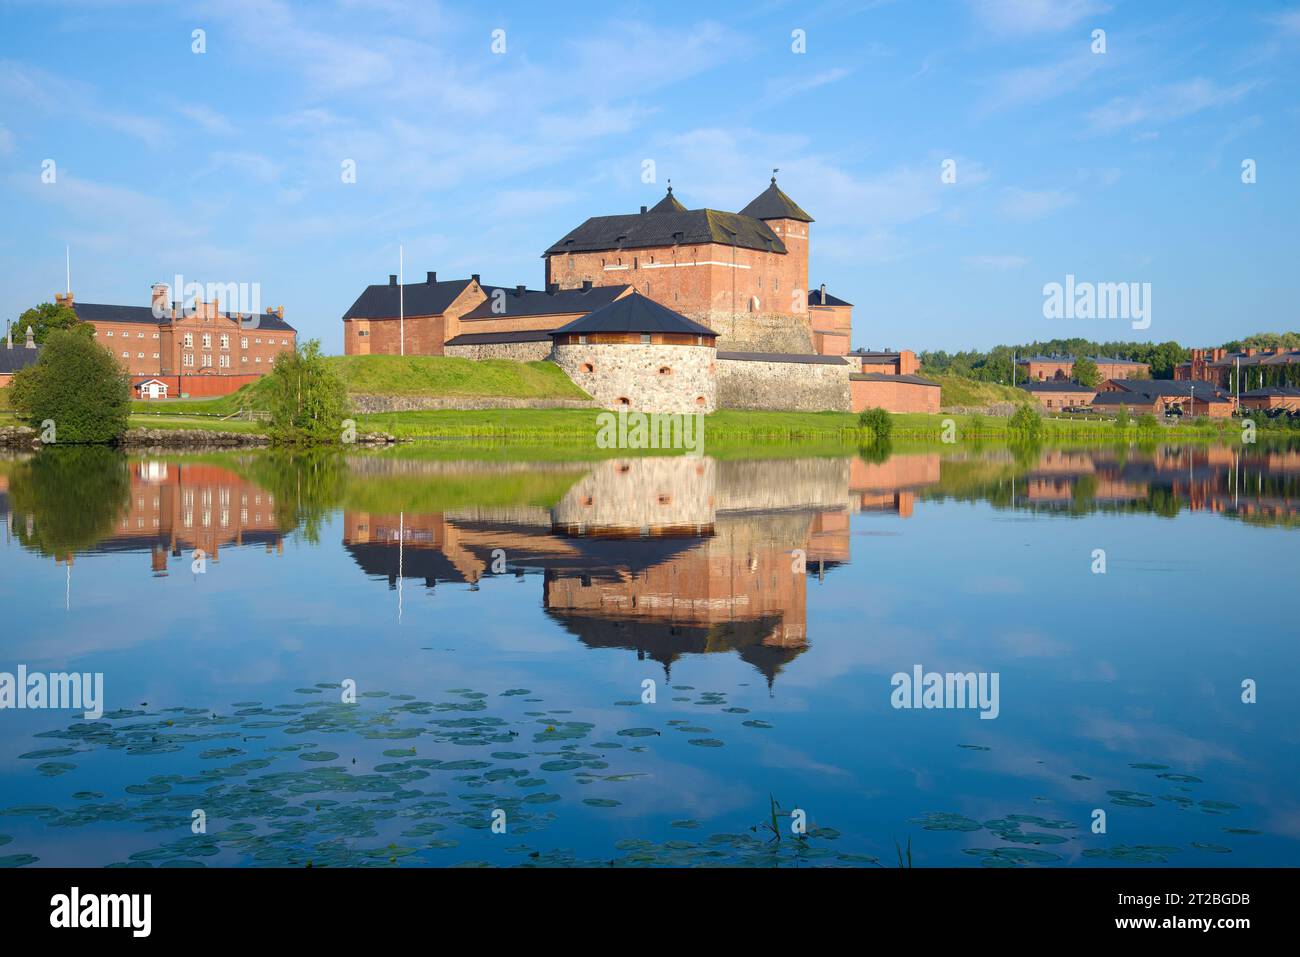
[(1086, 372), (308, 399), (46, 318), (1027, 422), (75, 392), (878, 421)]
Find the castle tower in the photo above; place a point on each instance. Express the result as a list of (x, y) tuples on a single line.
[(785, 218)]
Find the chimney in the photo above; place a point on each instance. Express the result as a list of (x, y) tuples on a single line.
[(519, 290), (1251, 351), (552, 288), (31, 338), (392, 279), (644, 208), (586, 285), (9, 336), (823, 292), (159, 299), (431, 277)]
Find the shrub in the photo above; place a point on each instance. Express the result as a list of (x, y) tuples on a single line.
[(307, 399), (878, 421), (1027, 422), (1122, 419), (1147, 423), (77, 385)]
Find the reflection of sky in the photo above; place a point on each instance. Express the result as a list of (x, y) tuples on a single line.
[(1143, 664)]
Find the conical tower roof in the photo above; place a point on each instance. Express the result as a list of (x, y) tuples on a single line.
[(668, 204), (774, 204)]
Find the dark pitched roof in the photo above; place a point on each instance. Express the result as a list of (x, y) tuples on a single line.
[(493, 338), (818, 298), (1168, 387), (1056, 387), (668, 204), (17, 358), (864, 353), (421, 299), (103, 312), (884, 377), (774, 204), (534, 302), (634, 313), (1122, 398), (1271, 390), (807, 358), (1112, 360), (654, 229)]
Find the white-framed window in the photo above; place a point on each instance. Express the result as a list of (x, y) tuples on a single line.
[(243, 342), (139, 335), (259, 359), (207, 340), (225, 342), (188, 359), (155, 355), (258, 340), (207, 360), (110, 333), (139, 355), (155, 335), (243, 358), (225, 362), (189, 340), (126, 355)]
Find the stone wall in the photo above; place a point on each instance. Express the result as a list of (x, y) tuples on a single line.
[(515, 351), (783, 386), (643, 378)]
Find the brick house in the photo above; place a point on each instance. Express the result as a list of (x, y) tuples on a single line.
[(1054, 395), (1061, 368), (1258, 367), (197, 350), (1159, 395), (1272, 397)]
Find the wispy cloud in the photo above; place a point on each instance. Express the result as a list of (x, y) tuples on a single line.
[(1164, 104), (1026, 17)]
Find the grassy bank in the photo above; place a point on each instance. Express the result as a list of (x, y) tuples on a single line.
[(955, 390)]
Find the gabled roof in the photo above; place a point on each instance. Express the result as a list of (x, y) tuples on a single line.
[(818, 298), (634, 313), (668, 204), (774, 204), (535, 302), (1271, 390), (1169, 387), (1056, 387), (669, 228), (420, 299), (17, 358)]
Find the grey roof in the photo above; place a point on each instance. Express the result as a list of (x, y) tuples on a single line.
[(420, 299), (1055, 386), (1112, 360), (1169, 387), (1271, 390), (818, 298), (808, 358), (658, 229), (103, 312), (885, 377), (493, 338), (1285, 357), (17, 358), (669, 204), (1122, 398), (774, 204), (862, 353), (634, 313), (535, 302)]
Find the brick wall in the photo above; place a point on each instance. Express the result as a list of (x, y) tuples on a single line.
[(515, 351), (894, 396)]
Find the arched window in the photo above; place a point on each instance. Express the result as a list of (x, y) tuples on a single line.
[(664, 370), (588, 367), (624, 400), (700, 401)]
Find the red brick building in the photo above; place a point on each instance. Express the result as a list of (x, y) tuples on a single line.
[(15, 359), (1055, 395), (197, 350), (1258, 368), (1061, 368)]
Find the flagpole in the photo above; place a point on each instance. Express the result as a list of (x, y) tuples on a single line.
[(401, 298), (67, 262)]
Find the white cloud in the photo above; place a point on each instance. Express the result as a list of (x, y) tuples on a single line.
[(1026, 205), (1164, 104), (1025, 17)]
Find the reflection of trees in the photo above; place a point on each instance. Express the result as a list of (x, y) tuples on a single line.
[(307, 486), (70, 497)]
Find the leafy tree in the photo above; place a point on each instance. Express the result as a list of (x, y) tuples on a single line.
[(77, 385), (1027, 422), (1086, 372), (307, 399), (46, 318)]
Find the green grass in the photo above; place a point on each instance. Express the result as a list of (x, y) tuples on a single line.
[(191, 422), (972, 393), (452, 375)]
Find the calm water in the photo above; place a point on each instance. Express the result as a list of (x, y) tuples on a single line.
[(500, 621)]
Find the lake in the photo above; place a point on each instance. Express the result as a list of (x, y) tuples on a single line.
[(430, 657)]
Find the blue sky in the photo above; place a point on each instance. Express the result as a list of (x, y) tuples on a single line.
[(226, 166)]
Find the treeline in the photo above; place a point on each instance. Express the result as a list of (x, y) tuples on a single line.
[(995, 364)]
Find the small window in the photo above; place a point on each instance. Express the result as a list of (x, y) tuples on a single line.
[(664, 370), (624, 400), (588, 367), (645, 338), (699, 400)]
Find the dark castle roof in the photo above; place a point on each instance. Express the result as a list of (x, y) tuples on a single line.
[(818, 298), (669, 204), (669, 228), (1057, 386), (420, 299), (103, 312), (774, 204), (533, 302), (634, 313)]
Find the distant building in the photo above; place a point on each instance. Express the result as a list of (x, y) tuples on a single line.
[(1159, 395), (15, 360), (196, 350), (1258, 367), (1055, 395), (1272, 397), (1061, 368)]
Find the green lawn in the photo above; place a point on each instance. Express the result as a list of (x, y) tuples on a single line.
[(451, 375), (955, 390)]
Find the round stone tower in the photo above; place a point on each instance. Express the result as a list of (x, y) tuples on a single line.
[(637, 355)]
